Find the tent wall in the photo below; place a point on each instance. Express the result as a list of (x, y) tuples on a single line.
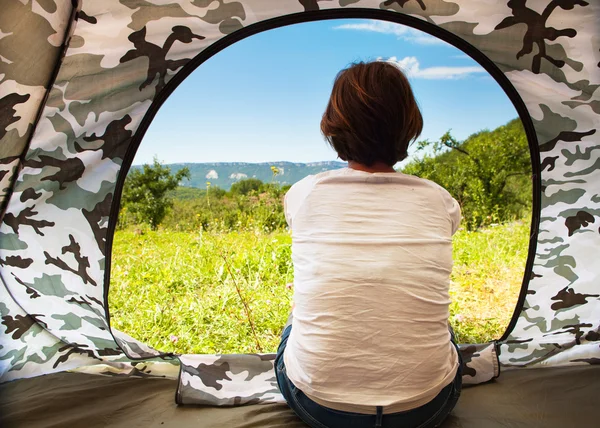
[(125, 57), (32, 37), (31, 45)]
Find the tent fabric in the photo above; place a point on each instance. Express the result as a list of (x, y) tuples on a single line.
[(533, 398), (81, 81), (228, 380), (23, 87)]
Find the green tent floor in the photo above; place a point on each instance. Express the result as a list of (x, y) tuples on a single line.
[(547, 397)]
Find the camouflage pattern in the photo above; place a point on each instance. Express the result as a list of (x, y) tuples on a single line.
[(232, 380), (58, 174), (480, 363), (227, 380), (23, 87)]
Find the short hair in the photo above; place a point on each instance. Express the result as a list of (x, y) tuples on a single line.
[(372, 115)]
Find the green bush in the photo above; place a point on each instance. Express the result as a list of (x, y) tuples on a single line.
[(257, 206), (146, 194)]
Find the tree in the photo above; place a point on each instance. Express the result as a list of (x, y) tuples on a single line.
[(244, 187), (489, 173), (145, 194)]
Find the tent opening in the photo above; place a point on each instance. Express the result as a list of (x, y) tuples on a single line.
[(204, 268)]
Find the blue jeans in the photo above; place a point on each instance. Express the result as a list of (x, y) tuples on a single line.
[(429, 415)]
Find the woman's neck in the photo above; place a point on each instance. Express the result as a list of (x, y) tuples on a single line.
[(376, 167)]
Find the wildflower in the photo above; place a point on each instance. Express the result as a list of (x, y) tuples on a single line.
[(459, 317), (173, 338)]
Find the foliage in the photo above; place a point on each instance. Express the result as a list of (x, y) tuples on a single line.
[(489, 173), (176, 291), (145, 193), (244, 187), (251, 205)]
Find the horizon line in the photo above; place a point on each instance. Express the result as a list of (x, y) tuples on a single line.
[(246, 162)]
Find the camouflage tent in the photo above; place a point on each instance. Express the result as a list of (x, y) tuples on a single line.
[(80, 82)]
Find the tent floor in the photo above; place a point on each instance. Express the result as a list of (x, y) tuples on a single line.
[(548, 398)]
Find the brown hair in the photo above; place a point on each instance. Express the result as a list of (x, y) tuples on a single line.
[(372, 115)]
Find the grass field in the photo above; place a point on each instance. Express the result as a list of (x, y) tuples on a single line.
[(207, 293)]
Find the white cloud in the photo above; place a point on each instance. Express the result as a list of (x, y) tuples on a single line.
[(401, 31), (212, 174), (238, 176), (410, 65)]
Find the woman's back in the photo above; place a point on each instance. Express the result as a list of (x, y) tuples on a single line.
[(372, 257)]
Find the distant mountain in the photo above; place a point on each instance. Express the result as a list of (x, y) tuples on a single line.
[(224, 174)]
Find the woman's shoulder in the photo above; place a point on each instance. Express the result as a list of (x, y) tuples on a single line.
[(298, 192), (422, 181), (450, 204)]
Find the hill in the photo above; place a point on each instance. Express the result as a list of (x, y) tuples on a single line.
[(224, 174)]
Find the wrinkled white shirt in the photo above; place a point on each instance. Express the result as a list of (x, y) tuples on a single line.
[(372, 256)]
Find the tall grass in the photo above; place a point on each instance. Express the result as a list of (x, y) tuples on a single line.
[(225, 292), (489, 265)]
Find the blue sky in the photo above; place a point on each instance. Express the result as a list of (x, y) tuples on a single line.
[(262, 98)]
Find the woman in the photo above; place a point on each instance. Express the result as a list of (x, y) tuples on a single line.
[(369, 344)]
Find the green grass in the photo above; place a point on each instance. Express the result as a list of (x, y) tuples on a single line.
[(193, 293), (489, 265)]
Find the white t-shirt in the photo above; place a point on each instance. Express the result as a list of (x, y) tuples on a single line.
[(372, 256)]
